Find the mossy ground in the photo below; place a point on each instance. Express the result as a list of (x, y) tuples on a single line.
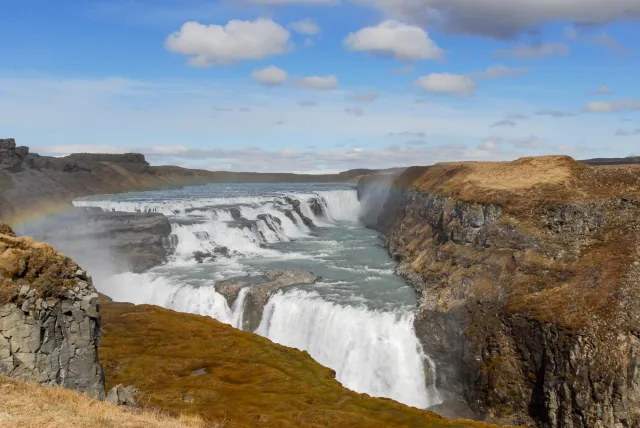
[(192, 364)]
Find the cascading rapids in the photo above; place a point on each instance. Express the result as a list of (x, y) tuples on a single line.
[(372, 351)]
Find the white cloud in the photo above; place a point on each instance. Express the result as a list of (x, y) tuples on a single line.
[(612, 106), (306, 26), (57, 112), (271, 75), (505, 20), (318, 82), (447, 83), (307, 103), (534, 51), (393, 38), (366, 97), (209, 45), (500, 70)]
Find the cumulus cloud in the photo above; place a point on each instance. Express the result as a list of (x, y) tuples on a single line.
[(318, 82), (447, 83), (555, 113), (505, 122), (354, 111), (500, 70), (306, 26), (534, 51), (395, 39), (612, 106), (271, 76), (498, 19), (211, 45), (366, 97)]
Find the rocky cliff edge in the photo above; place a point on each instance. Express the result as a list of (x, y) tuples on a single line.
[(49, 319), (528, 274)]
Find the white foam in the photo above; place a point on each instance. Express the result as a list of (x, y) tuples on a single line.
[(372, 352)]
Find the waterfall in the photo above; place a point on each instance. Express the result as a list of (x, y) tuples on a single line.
[(372, 352)]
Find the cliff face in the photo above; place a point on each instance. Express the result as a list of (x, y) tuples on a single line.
[(49, 319), (528, 275)]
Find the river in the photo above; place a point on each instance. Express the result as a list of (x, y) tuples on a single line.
[(357, 319)]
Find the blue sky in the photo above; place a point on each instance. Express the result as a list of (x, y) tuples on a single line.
[(321, 85)]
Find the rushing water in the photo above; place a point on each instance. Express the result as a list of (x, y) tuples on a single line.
[(358, 319)]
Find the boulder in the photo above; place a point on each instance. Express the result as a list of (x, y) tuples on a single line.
[(261, 288), (316, 206), (121, 396)]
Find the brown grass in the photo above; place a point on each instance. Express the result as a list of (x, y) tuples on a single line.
[(23, 261), (525, 185), (234, 374), (29, 405)]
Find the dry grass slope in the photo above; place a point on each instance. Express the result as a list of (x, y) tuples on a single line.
[(235, 376), (28, 405), (24, 261)]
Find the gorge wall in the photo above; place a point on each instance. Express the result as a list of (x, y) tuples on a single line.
[(528, 275), (49, 319)]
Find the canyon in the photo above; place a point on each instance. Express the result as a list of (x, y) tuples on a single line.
[(527, 275)]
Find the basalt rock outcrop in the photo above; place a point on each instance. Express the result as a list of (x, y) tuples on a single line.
[(49, 318), (528, 274), (260, 289), (119, 241)]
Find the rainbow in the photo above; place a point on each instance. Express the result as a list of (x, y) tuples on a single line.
[(34, 213)]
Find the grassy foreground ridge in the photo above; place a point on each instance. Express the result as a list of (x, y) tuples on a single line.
[(190, 364)]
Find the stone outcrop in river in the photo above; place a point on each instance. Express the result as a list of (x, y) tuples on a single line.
[(260, 289), (49, 319), (528, 274)]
